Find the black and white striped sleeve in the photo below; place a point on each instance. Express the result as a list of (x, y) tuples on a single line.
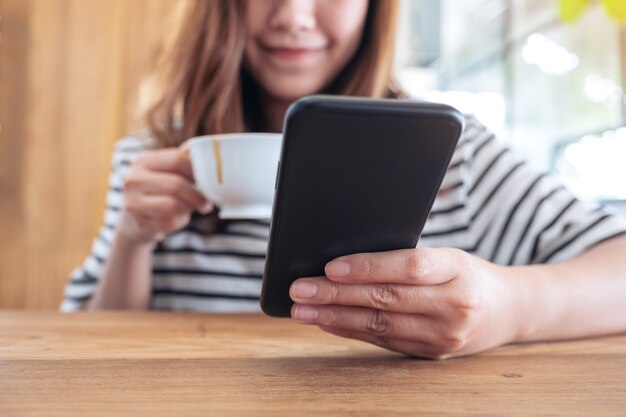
[(84, 279), (521, 216)]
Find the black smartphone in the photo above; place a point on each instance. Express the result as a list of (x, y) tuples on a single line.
[(356, 175)]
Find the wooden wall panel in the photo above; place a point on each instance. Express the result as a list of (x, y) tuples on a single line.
[(13, 64), (69, 70)]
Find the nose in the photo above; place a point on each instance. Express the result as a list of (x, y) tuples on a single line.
[(293, 15)]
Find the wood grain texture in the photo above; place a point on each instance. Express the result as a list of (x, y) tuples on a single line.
[(163, 364), (69, 71)]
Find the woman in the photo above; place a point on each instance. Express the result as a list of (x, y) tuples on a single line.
[(508, 255)]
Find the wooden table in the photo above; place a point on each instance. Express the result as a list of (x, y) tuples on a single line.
[(169, 364)]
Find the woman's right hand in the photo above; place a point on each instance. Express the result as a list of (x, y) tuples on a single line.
[(159, 196)]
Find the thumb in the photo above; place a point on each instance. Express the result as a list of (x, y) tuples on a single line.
[(184, 161)]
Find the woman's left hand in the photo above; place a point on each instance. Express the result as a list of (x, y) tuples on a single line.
[(433, 303)]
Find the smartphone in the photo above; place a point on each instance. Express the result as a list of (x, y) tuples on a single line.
[(355, 175)]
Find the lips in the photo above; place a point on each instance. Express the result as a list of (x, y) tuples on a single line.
[(311, 46), (292, 52)]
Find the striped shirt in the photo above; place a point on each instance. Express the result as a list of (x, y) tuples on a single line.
[(490, 204)]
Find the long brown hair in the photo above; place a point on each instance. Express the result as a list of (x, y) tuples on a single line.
[(199, 86)]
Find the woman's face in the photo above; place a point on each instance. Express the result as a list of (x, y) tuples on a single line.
[(297, 47)]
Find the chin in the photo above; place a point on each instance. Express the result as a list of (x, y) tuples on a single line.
[(291, 91)]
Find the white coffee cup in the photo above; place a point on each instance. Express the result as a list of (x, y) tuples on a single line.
[(237, 172)]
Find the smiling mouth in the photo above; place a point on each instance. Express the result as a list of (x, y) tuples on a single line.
[(290, 53)]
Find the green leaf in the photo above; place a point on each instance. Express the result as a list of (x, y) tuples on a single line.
[(570, 10), (616, 9)]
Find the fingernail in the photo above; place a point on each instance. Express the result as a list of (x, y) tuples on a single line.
[(304, 289), (206, 208), (306, 313), (337, 269)]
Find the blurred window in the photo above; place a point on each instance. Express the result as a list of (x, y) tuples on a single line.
[(553, 90)]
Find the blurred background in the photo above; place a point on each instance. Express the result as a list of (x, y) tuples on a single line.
[(549, 81)]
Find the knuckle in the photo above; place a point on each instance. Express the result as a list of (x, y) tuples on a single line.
[(461, 256), (453, 341), (417, 264), (466, 306), (464, 261), (384, 295), (378, 323), (333, 291), (131, 180)]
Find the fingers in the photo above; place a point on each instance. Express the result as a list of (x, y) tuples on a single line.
[(390, 297), (173, 160), (143, 229), (158, 228), (424, 266), (161, 208), (376, 322), (159, 195), (159, 183), (416, 349)]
